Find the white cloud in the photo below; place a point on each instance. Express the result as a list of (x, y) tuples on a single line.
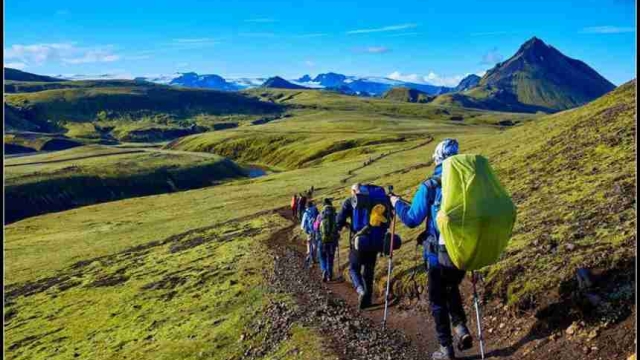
[(607, 30), (431, 78), (372, 50), (310, 63), (38, 53), (16, 65), (66, 53), (404, 34), (383, 29), (377, 50), (491, 57), (93, 56)]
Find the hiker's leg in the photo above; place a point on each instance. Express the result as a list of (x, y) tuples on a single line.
[(369, 273), (331, 252), (324, 266), (318, 246), (456, 310), (438, 303), (354, 269)]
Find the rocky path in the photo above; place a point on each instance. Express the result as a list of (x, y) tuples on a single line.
[(332, 309)]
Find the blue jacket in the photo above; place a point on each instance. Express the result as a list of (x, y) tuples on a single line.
[(345, 213), (308, 218), (416, 213)]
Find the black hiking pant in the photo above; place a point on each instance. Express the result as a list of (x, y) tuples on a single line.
[(445, 300), (362, 265)]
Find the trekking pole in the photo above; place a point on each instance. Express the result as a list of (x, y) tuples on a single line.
[(386, 296), (476, 303)]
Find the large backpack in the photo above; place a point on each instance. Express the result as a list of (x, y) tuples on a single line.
[(328, 226), (476, 214), (371, 218)]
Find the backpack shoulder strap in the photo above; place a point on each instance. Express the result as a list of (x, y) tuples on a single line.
[(433, 182)]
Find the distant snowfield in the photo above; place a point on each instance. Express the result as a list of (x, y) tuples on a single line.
[(373, 85)]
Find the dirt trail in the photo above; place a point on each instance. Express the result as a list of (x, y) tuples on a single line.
[(411, 328), (332, 309)]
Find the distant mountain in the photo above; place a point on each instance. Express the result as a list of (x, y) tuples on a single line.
[(305, 78), (407, 95), (370, 85), (537, 78), (330, 79), (214, 82), (280, 83), (468, 82), (19, 75)]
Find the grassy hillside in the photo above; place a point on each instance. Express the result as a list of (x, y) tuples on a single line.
[(316, 137), (177, 275), (326, 100), (126, 102), (44, 183), (30, 142), (19, 75), (571, 175), (407, 95)]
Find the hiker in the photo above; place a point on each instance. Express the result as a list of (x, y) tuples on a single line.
[(306, 225), (294, 206), (368, 227), (328, 239), (302, 202), (443, 276)]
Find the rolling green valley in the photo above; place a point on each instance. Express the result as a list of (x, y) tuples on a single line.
[(151, 217)]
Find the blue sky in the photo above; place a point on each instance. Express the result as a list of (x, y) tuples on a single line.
[(423, 40)]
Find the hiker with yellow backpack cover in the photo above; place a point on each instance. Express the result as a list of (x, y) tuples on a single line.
[(469, 219)]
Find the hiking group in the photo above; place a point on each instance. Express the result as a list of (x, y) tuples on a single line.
[(468, 219)]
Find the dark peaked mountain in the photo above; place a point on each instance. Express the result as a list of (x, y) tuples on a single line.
[(19, 75), (468, 82), (305, 78), (537, 77), (541, 75), (330, 79), (280, 83)]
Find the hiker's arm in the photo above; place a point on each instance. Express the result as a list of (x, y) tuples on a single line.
[(344, 214), (415, 213)]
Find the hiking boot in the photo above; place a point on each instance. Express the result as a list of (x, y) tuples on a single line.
[(362, 298), (444, 353), (463, 337), (324, 276)]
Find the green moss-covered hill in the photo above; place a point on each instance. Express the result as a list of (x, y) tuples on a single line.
[(407, 95), (121, 100), (537, 77)]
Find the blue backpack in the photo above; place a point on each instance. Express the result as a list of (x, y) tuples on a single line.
[(371, 218)]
